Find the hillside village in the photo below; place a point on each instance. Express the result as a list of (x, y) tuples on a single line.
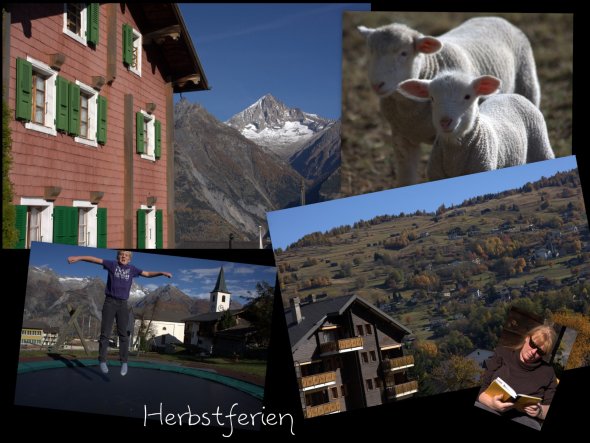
[(451, 275)]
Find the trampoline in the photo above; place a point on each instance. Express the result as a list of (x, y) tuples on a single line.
[(79, 385)]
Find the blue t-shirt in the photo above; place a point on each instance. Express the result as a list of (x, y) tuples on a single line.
[(120, 278)]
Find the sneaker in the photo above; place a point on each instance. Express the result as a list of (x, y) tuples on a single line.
[(124, 369), (103, 367)]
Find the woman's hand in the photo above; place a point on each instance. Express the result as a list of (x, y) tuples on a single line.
[(499, 405), (535, 411)]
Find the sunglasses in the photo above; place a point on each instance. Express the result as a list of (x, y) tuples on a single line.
[(536, 347)]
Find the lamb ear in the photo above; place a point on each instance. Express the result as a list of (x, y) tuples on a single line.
[(415, 89), (428, 45), (486, 85), (366, 32)]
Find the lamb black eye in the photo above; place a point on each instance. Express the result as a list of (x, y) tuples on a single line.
[(403, 53), (431, 98), (467, 97)]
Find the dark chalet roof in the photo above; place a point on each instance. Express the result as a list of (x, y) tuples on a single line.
[(314, 314), (159, 24)]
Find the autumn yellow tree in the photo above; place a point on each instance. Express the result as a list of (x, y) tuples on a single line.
[(580, 353), (457, 373)]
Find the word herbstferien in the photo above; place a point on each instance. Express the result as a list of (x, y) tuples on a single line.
[(205, 418)]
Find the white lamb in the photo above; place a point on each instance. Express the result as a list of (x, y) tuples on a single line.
[(485, 45), (504, 130)]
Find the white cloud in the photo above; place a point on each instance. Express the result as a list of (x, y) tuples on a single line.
[(151, 287), (243, 270), (190, 275)]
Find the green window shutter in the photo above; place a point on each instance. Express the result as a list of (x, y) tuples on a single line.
[(159, 229), (101, 126), (139, 136), (158, 134), (141, 229), (21, 226), (24, 89), (61, 104), (127, 44), (74, 109), (65, 225), (101, 235), (93, 10)]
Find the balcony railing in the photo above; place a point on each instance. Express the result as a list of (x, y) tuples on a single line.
[(317, 380), (402, 389), (343, 345), (323, 409), (398, 363)]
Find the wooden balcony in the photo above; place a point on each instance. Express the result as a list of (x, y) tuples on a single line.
[(317, 380), (397, 363), (323, 409), (402, 389), (340, 346)]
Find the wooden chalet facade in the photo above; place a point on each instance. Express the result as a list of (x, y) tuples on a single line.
[(347, 354), (90, 88)]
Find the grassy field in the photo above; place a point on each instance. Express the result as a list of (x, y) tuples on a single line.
[(367, 163)]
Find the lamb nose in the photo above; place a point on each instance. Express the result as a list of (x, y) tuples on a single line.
[(445, 122), (378, 86)]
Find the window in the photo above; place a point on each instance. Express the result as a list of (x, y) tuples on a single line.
[(148, 136), (88, 115), (369, 329), (334, 392), (34, 222), (373, 355), (81, 22), (359, 329), (75, 21), (150, 233), (88, 221), (365, 357), (49, 103), (132, 48), (36, 95), (223, 298), (369, 383)]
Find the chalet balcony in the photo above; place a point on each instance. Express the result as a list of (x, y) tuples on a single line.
[(323, 409), (315, 381), (340, 346), (397, 363), (402, 390)]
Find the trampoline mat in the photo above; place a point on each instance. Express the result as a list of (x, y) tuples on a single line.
[(87, 389)]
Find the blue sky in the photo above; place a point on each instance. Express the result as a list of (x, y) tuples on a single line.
[(289, 225), (195, 277), (292, 51)]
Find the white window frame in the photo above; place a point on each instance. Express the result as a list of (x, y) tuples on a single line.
[(92, 115), (151, 129), (46, 71), (83, 25), (92, 220), (46, 218), (137, 44), (150, 226)]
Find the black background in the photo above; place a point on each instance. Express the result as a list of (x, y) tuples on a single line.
[(445, 416)]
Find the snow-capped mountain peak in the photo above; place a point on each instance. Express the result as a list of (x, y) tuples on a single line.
[(271, 124)]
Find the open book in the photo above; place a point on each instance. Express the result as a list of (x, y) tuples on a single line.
[(499, 386)]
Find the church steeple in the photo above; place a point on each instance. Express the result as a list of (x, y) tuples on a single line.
[(220, 285), (220, 296)]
